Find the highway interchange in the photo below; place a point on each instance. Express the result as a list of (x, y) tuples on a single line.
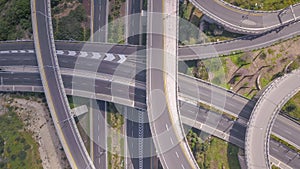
[(137, 92), (241, 106)]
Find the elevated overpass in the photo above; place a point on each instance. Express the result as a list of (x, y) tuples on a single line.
[(263, 116), (53, 86), (246, 21), (232, 131), (193, 52), (161, 86), (57, 69), (241, 107)]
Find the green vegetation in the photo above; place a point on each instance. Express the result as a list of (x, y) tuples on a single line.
[(17, 147), (15, 20), (114, 118), (200, 71), (116, 31), (71, 27), (292, 107), (115, 140), (275, 167), (191, 34), (185, 10), (217, 33), (213, 109), (294, 65), (216, 68), (75, 101), (116, 26), (241, 59), (265, 5), (264, 82), (188, 25), (284, 143), (115, 160), (213, 152)]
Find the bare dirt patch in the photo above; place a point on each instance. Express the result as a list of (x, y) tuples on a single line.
[(269, 64)]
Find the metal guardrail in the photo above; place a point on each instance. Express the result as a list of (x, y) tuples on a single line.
[(272, 118), (59, 78), (238, 28)]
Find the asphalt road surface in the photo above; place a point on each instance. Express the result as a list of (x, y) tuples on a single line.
[(58, 105)]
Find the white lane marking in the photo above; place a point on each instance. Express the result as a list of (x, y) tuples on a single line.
[(191, 111), (167, 127), (96, 55), (122, 58), (275, 149), (83, 54), (177, 154), (59, 52), (14, 51), (22, 51), (182, 166), (109, 57), (30, 51), (72, 53), (171, 141), (288, 132), (6, 51)]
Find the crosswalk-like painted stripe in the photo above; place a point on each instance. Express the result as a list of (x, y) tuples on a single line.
[(83, 54), (109, 57), (6, 51), (22, 51), (72, 53), (30, 51), (122, 58), (14, 51), (59, 52), (96, 55)]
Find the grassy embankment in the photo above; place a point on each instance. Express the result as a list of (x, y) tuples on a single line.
[(213, 152), (17, 147)]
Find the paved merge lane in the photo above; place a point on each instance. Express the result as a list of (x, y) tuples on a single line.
[(100, 20), (234, 103), (171, 149), (99, 131), (58, 105), (240, 106), (249, 22), (184, 53)]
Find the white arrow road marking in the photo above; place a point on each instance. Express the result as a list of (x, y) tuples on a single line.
[(14, 51), (122, 58), (72, 53), (6, 51), (59, 52), (109, 57), (30, 51), (96, 55), (83, 54)]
